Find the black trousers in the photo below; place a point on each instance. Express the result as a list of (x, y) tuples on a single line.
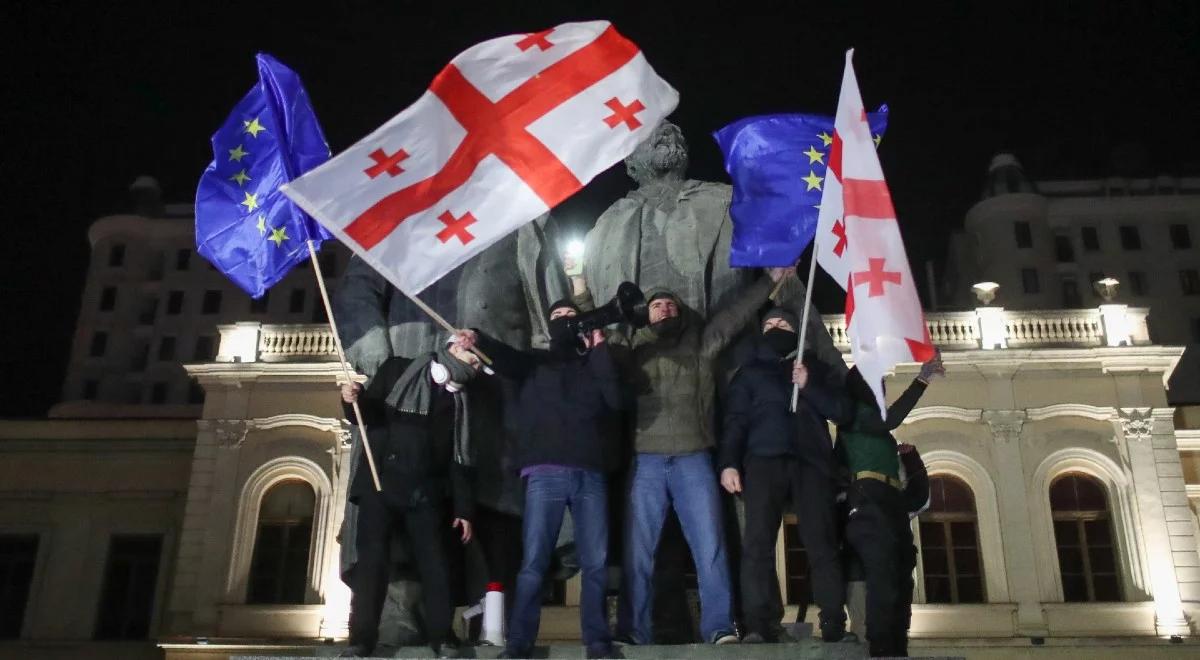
[(767, 486), (879, 532), (427, 529)]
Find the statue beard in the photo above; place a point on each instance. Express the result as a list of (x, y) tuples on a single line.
[(668, 157)]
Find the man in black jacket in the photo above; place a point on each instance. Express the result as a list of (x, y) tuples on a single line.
[(564, 398), (771, 455), (414, 411)]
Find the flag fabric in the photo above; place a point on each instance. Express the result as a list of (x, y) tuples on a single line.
[(245, 227), (778, 167), (510, 128), (858, 243)]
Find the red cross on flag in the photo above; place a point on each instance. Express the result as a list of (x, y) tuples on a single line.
[(510, 128), (858, 243)]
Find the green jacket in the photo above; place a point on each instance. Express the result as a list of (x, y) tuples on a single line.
[(673, 378), (864, 439)]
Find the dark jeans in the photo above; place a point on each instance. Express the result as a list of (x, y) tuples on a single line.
[(687, 483), (767, 486), (426, 528), (547, 496), (880, 534)]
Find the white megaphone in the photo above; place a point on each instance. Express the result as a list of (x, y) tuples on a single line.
[(492, 609)]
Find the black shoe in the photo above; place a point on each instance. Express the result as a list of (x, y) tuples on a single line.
[(602, 651), (514, 654), (841, 637), (754, 638), (356, 651), (447, 649), (624, 640)]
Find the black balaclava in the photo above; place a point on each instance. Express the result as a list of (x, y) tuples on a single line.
[(563, 341), (782, 341)]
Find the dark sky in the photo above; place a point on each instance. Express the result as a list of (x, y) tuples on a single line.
[(96, 93)]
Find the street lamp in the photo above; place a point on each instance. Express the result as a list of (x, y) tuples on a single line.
[(1107, 288), (985, 292)]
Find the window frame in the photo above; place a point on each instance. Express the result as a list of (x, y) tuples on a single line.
[(944, 520), (1023, 234)]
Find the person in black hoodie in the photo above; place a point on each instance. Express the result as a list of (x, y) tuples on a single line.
[(415, 413), (771, 455), (565, 397)]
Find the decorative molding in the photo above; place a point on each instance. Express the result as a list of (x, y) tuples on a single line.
[(228, 432), (1098, 413), (328, 424), (1005, 424), (1136, 423), (1187, 439), (969, 415), (233, 432)]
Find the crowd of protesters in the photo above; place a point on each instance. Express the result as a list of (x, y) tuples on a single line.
[(637, 409)]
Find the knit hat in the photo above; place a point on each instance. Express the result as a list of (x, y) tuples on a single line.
[(563, 302)]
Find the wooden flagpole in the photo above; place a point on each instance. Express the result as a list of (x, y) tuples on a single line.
[(341, 355), (808, 287)]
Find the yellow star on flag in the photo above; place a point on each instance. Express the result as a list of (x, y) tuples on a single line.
[(253, 127), (813, 181), (826, 139), (278, 236), (814, 156), (241, 178), (251, 201), (238, 153), (261, 225), (878, 138)]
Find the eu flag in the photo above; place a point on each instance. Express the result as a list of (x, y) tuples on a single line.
[(247, 228), (777, 163)]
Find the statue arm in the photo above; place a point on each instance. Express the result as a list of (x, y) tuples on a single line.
[(361, 315), (727, 323)]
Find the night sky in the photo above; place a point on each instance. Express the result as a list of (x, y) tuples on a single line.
[(96, 93)]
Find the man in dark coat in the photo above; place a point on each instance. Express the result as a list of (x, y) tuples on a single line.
[(415, 413), (772, 456), (878, 527), (564, 398)]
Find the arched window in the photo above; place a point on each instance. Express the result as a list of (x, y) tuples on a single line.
[(1083, 535), (950, 556), (279, 565)]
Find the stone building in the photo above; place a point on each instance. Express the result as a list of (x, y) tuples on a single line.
[(1065, 485)]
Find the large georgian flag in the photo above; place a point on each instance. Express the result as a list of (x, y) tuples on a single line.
[(510, 128), (858, 243)]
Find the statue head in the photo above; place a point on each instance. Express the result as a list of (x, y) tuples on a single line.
[(662, 155)]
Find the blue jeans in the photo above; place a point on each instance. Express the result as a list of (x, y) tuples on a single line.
[(688, 482), (547, 496)]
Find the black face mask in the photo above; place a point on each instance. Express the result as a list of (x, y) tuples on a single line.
[(667, 328), (781, 341), (562, 340)]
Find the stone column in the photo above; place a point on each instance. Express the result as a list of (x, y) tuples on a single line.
[(1149, 440), (1017, 529)]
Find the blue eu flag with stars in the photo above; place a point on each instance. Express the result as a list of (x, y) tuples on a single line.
[(777, 163), (248, 229)]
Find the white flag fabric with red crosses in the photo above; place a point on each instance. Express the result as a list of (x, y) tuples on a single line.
[(858, 243), (510, 128)]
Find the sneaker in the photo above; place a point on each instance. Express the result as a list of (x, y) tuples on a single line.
[(447, 649), (726, 638), (624, 640), (753, 638), (514, 654), (355, 651)]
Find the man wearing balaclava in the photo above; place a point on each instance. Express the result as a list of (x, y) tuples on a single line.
[(565, 397), (670, 363), (415, 411), (770, 456)]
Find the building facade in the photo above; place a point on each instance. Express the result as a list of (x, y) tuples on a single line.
[(1046, 243)]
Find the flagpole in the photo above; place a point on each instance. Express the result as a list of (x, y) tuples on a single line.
[(341, 354), (442, 322), (808, 287)]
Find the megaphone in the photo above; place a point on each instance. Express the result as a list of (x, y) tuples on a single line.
[(628, 306)]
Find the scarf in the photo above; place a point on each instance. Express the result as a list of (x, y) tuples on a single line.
[(413, 393)]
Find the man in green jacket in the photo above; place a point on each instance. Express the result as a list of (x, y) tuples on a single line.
[(671, 365)]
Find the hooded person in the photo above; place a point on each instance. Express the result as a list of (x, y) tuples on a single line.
[(670, 365), (770, 456), (564, 397), (415, 410), (878, 527)]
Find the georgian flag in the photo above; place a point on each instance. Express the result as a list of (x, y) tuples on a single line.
[(858, 243), (510, 128)]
